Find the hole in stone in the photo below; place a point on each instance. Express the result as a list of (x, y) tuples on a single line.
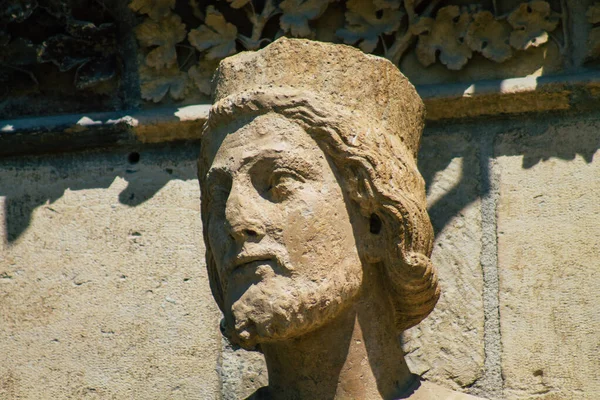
[(529, 10), (484, 45), (538, 372), (379, 14), (375, 224), (456, 19), (133, 157), (250, 233)]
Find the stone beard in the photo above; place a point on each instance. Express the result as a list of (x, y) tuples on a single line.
[(314, 218)]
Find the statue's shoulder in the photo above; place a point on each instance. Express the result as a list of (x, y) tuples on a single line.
[(431, 391)]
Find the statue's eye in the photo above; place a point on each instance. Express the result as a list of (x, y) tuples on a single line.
[(283, 183)]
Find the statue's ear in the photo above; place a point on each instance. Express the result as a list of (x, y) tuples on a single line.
[(375, 224), (373, 242), (370, 225)]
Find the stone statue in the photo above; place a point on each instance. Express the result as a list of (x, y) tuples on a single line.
[(315, 222)]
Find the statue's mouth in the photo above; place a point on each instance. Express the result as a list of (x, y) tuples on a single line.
[(252, 261)]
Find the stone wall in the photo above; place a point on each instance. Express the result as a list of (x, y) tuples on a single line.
[(103, 290)]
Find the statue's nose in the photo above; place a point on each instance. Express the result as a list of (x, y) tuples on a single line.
[(243, 215)]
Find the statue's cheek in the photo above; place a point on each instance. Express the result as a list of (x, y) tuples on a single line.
[(314, 230), (296, 234)]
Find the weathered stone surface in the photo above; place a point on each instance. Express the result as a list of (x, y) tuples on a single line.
[(103, 291), (447, 347), (548, 258)]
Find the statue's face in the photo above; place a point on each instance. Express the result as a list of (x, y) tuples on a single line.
[(279, 231)]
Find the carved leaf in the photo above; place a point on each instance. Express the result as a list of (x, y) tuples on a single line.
[(216, 35), (365, 23), (156, 9), (89, 30), (196, 10), (297, 13), (66, 51), (58, 8), (593, 44), (95, 71), (238, 3), (201, 74), (381, 4), (532, 21), (446, 37), (165, 34), (489, 37), (593, 13), (155, 84), (424, 25), (16, 10)]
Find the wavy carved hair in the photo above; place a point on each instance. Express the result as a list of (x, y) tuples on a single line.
[(378, 174)]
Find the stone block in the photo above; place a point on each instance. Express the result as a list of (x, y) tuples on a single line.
[(447, 347), (103, 289), (548, 259)]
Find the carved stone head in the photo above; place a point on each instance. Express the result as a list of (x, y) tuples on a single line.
[(309, 183)]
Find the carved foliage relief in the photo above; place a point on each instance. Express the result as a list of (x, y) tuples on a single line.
[(593, 45), (48, 40), (179, 56)]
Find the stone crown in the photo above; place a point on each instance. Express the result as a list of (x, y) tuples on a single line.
[(366, 85)]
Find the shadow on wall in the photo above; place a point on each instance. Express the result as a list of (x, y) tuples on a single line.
[(478, 142), (552, 140), (91, 170), (475, 142)]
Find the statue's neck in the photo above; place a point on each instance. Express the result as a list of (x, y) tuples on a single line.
[(356, 356)]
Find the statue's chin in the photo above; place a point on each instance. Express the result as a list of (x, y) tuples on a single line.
[(269, 310), (281, 308)]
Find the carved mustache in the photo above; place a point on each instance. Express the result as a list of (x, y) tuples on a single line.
[(249, 256)]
